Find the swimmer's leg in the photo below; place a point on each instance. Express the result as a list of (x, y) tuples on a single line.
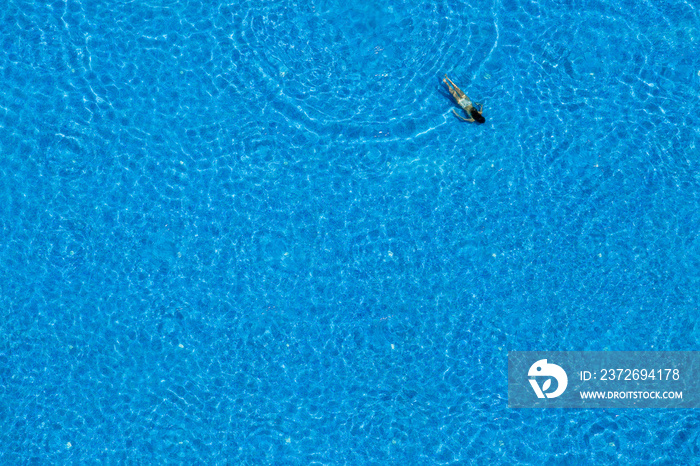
[(451, 89), (457, 89)]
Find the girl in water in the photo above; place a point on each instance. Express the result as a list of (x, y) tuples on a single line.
[(464, 102)]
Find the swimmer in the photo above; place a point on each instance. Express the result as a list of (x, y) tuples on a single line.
[(464, 102)]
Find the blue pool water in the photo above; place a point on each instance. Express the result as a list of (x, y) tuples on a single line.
[(254, 232)]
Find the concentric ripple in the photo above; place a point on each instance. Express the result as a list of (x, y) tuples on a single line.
[(344, 67)]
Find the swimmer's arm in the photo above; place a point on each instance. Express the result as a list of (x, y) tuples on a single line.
[(481, 110), (462, 118)]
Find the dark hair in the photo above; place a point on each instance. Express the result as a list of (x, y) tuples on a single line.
[(477, 116)]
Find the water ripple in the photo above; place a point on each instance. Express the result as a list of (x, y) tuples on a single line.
[(343, 67)]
